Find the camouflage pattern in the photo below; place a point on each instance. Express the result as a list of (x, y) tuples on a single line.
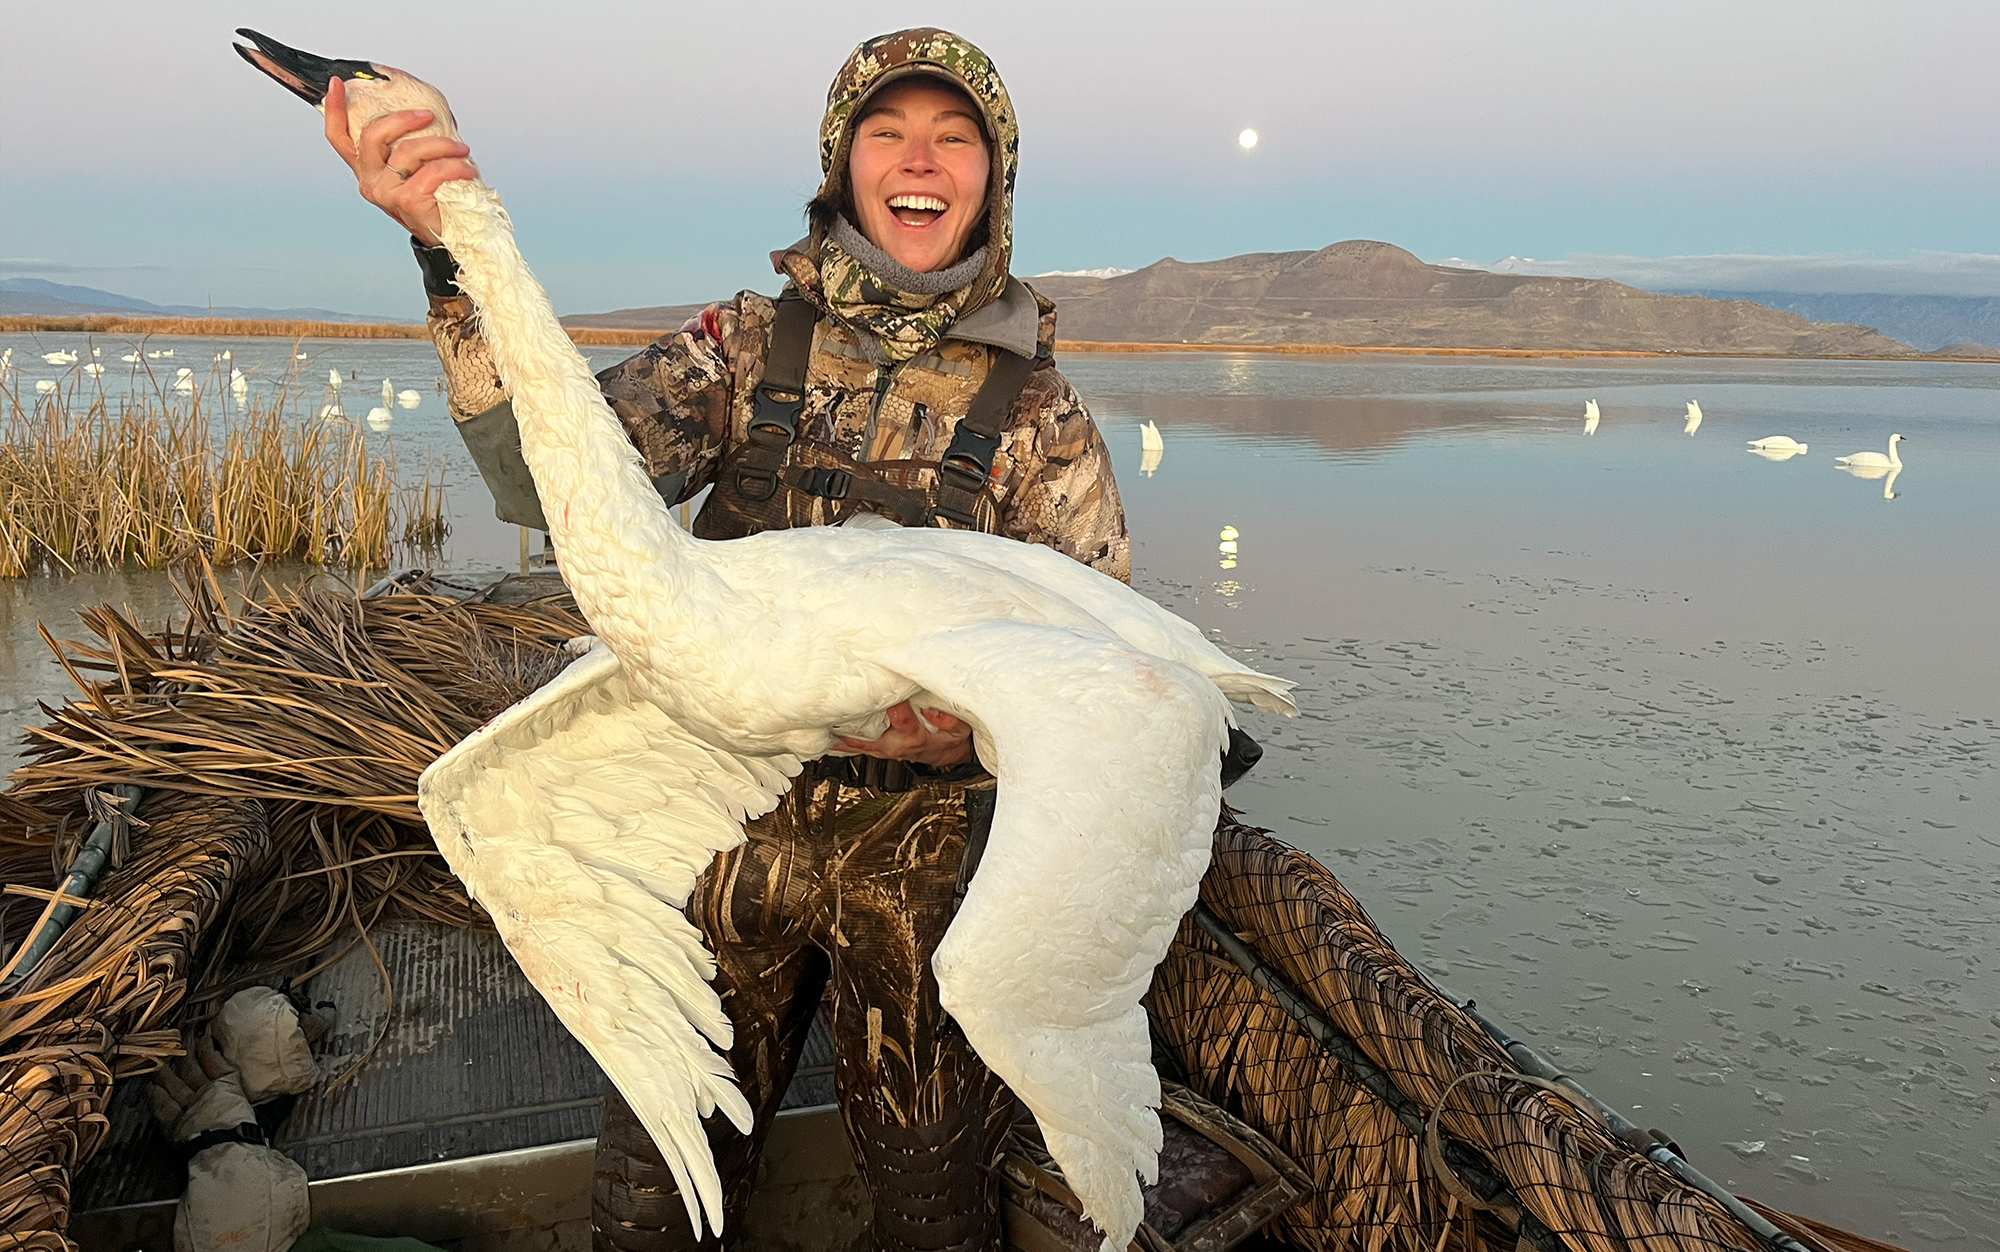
[(926, 49), (903, 323), (685, 401), (849, 888)]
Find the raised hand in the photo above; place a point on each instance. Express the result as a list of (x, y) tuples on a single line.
[(945, 741), (397, 175)]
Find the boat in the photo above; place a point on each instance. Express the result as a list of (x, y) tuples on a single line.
[(231, 801)]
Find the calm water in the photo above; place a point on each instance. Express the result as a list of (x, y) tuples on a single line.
[(1680, 760)]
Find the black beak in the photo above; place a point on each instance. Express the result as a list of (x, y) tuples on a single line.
[(301, 73)]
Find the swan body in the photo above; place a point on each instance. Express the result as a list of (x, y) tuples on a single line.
[(1590, 417), (409, 398), (1777, 443), (130, 358), (379, 418), (388, 394), (1873, 460), (1693, 418), (59, 358), (333, 379), (6, 360), (582, 816), (44, 387), (1149, 437), (93, 369)]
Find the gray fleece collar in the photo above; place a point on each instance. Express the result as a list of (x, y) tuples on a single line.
[(900, 276), (1012, 322)]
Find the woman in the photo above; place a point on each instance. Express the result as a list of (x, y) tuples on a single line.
[(902, 373)]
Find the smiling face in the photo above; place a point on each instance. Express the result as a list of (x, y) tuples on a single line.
[(917, 172)]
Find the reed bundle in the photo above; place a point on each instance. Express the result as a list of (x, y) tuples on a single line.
[(81, 485), (1377, 1186)]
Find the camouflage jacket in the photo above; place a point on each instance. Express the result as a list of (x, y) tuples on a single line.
[(685, 401)]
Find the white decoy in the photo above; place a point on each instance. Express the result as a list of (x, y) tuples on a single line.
[(379, 418), (388, 394), (1693, 418), (1873, 460), (131, 358), (93, 369), (1777, 443), (332, 412), (298, 356), (59, 357), (184, 380), (152, 356), (333, 379), (97, 352), (581, 817), (409, 398), (1151, 448), (166, 351), (1590, 416), (6, 359), (44, 386)]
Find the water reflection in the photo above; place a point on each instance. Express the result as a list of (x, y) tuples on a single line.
[(1590, 416), (1693, 418), (1228, 547)]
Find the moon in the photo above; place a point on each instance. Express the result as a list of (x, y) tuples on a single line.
[(1247, 140)]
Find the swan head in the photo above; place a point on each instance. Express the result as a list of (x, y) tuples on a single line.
[(1895, 439), (372, 88)]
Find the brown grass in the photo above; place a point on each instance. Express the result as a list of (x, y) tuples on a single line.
[(81, 485), (248, 327)]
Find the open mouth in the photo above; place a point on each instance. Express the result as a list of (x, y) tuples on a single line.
[(916, 210)]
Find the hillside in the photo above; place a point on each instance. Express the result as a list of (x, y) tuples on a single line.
[(40, 297), (1366, 294), (1927, 322), (658, 317)]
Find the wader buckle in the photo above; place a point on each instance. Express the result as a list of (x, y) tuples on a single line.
[(756, 484), (825, 481)]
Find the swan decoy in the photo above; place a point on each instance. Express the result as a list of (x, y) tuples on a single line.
[(409, 398), (333, 379), (1151, 448), (1777, 443), (1873, 460), (388, 394), (581, 817), (379, 418), (59, 357), (44, 386), (184, 379), (6, 360), (1693, 418), (1590, 416), (130, 358), (93, 369)]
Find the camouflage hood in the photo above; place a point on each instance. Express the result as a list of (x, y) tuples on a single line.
[(906, 322)]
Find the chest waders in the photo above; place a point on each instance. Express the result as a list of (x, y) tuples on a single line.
[(846, 888)]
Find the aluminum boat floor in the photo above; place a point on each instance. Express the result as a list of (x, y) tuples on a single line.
[(468, 1061)]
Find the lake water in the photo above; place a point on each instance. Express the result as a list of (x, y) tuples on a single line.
[(1681, 760)]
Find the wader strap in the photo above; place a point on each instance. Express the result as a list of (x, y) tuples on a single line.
[(778, 400), (978, 825), (903, 505), (968, 462)]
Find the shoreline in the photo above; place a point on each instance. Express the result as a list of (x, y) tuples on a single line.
[(242, 327)]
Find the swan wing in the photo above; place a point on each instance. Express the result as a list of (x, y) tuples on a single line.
[(1107, 761), (1128, 614), (579, 819)]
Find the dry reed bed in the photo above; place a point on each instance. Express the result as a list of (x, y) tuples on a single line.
[(249, 327), (164, 476), (281, 746)]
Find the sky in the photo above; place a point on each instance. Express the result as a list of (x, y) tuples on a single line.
[(654, 153)]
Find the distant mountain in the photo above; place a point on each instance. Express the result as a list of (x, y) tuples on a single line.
[(661, 317), (1367, 294), (42, 298), (1927, 322)]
